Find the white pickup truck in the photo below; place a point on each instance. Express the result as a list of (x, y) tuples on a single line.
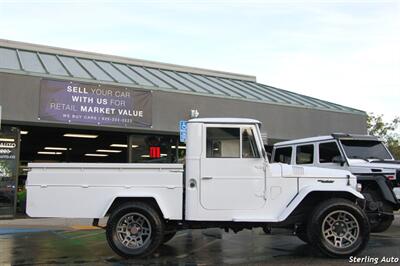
[(228, 183)]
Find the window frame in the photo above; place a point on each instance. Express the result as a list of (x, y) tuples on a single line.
[(240, 127)]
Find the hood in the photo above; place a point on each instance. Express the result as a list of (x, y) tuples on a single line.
[(384, 165), (313, 172), (397, 162)]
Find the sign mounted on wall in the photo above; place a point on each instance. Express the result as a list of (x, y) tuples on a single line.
[(182, 130), (80, 103)]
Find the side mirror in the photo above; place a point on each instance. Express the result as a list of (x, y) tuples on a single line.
[(339, 160)]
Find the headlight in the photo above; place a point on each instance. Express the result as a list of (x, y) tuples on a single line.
[(358, 187)]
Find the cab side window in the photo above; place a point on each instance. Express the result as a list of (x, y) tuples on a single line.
[(328, 151), (305, 154), (223, 142), (283, 155), (249, 145)]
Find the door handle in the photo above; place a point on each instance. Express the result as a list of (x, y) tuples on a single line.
[(207, 177)]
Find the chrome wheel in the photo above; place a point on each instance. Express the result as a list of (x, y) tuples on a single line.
[(133, 230), (340, 229)]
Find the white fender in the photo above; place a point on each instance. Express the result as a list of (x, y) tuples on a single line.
[(315, 188)]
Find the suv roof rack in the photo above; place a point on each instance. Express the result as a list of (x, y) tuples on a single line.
[(354, 136)]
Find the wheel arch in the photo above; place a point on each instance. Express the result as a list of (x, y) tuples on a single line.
[(383, 187), (300, 206), (118, 200)]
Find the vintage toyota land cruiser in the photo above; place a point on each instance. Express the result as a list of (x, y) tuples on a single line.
[(228, 183)]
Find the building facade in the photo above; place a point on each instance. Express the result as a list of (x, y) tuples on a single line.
[(74, 106)]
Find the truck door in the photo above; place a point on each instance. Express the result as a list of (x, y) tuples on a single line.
[(232, 175)]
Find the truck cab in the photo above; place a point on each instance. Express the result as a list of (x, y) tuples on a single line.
[(226, 182), (364, 156)]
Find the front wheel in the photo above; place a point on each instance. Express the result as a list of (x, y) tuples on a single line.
[(338, 228), (134, 229), (376, 203)]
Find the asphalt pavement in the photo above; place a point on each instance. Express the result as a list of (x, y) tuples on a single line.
[(44, 246)]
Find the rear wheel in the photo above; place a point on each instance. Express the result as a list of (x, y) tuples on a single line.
[(338, 228), (134, 229)]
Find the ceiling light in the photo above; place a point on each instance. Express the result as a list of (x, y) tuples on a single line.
[(49, 152), (119, 145), (55, 148), (23, 132), (123, 146), (7, 140), (111, 151), (145, 156), (96, 155), (84, 136), (163, 155), (179, 147)]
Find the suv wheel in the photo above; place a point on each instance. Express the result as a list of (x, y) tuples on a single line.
[(338, 228), (134, 229), (383, 222), (382, 225)]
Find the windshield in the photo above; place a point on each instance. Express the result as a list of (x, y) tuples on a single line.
[(365, 149)]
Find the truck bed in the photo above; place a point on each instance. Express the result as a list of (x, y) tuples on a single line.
[(87, 190)]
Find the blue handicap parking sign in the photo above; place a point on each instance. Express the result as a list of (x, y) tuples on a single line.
[(182, 130)]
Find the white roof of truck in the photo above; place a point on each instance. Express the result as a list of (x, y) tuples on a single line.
[(304, 140), (333, 136), (217, 120)]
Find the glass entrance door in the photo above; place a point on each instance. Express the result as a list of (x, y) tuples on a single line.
[(9, 156)]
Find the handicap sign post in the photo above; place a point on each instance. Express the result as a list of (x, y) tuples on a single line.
[(182, 130)]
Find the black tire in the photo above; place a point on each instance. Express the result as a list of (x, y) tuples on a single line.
[(301, 233), (383, 224), (168, 236), (334, 217), (128, 216)]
